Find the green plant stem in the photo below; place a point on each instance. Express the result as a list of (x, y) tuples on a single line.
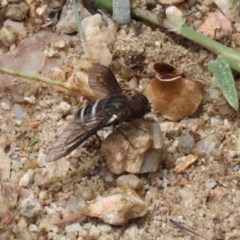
[(107, 4), (34, 78), (230, 55)]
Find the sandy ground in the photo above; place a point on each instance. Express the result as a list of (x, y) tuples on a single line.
[(205, 198)]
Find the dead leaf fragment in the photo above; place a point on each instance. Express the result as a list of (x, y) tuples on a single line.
[(174, 100), (172, 95), (167, 72), (216, 26), (185, 162)]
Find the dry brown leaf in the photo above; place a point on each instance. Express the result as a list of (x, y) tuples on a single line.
[(167, 72), (172, 95), (174, 100)]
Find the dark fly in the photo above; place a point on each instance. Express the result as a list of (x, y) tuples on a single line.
[(112, 108)]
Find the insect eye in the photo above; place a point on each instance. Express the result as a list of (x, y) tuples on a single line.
[(139, 105)]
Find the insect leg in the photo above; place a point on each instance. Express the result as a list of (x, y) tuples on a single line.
[(138, 128), (114, 127)]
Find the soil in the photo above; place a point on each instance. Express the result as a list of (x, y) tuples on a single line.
[(203, 201)]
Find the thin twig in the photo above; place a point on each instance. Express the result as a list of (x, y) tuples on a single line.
[(181, 226), (35, 78)]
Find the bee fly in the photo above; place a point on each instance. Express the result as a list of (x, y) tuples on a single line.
[(112, 109)]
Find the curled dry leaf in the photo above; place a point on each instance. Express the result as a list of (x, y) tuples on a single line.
[(117, 209), (167, 72), (174, 98), (134, 149), (185, 162)]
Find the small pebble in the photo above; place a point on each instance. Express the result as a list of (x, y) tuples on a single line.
[(186, 143), (33, 228), (60, 44), (27, 178), (30, 207), (5, 106), (7, 36), (104, 227), (30, 100), (129, 180), (17, 11), (63, 108), (34, 124), (209, 145), (43, 195), (87, 194), (117, 209), (18, 122), (94, 232), (73, 227)]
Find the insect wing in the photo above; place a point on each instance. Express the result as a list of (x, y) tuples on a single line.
[(103, 81), (73, 136)]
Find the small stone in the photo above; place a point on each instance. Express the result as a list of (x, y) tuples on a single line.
[(17, 11), (87, 193), (60, 44), (94, 232), (3, 3), (5, 106), (8, 36), (121, 11), (33, 228), (18, 122), (72, 204), (104, 227), (73, 227), (186, 143), (30, 100), (27, 178), (17, 27), (43, 195), (63, 108), (184, 162), (208, 146), (30, 207), (131, 181), (157, 43), (41, 160), (117, 209), (34, 124), (132, 149), (16, 165)]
